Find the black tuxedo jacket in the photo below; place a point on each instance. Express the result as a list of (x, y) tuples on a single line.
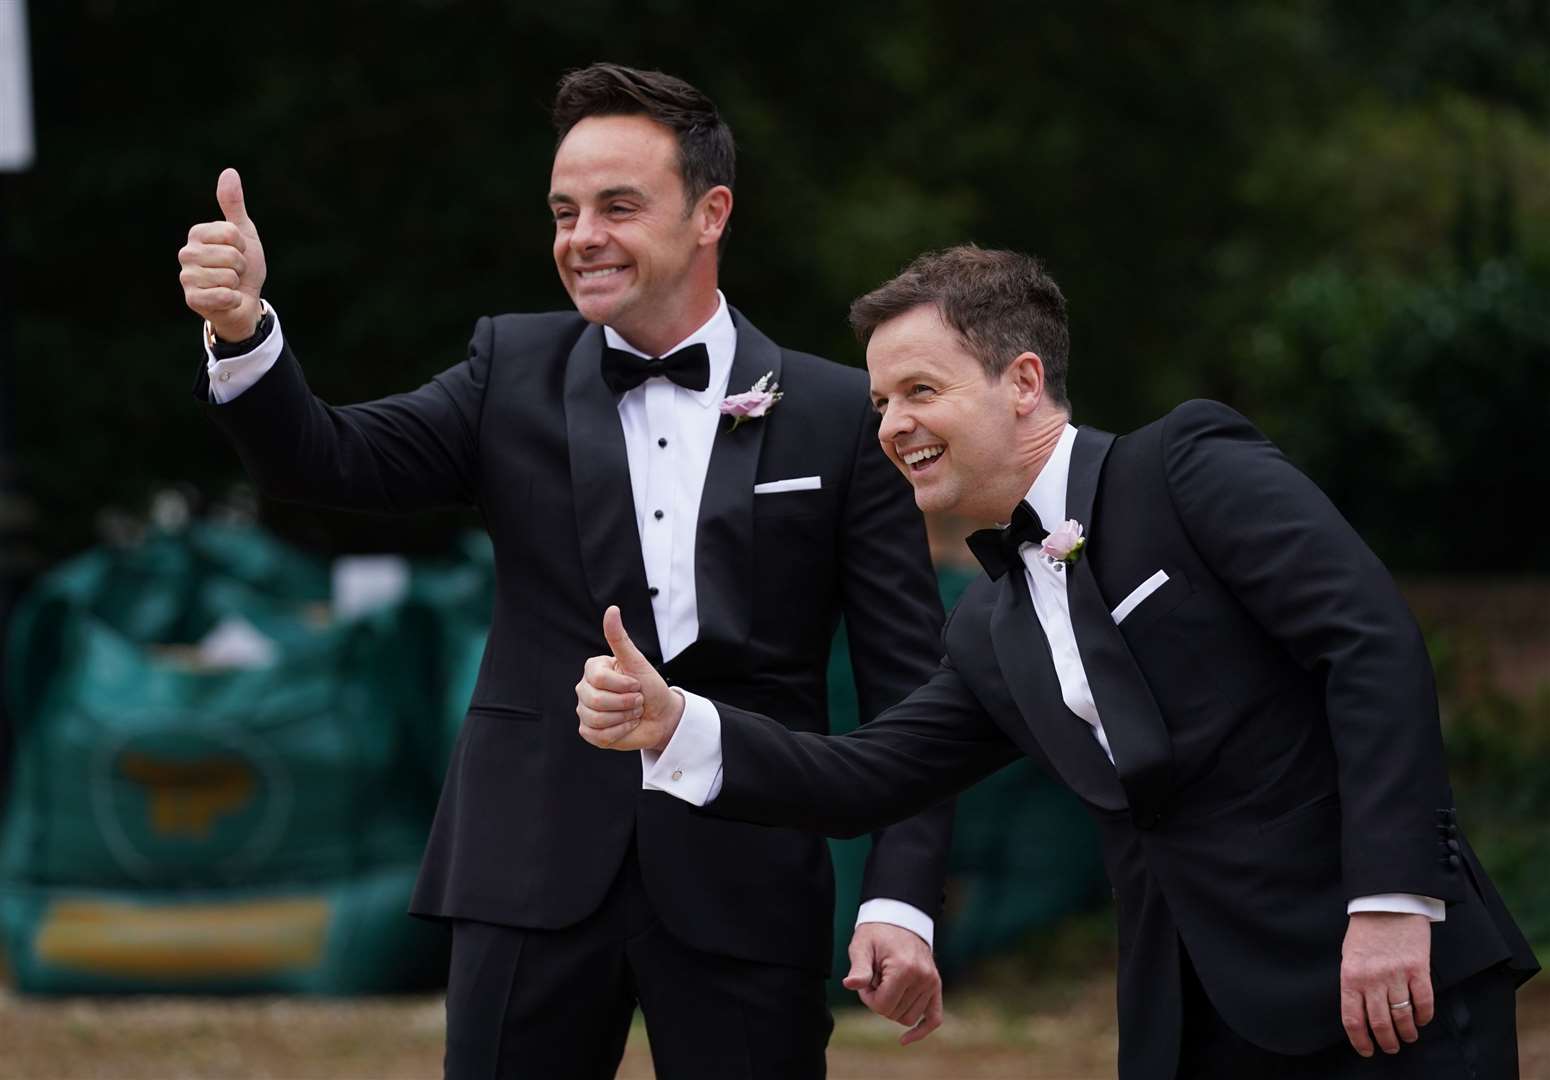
[(1273, 718), (533, 823)]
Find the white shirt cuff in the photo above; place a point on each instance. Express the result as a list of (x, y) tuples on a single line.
[(690, 767), (230, 378), (1401, 904), (898, 913)]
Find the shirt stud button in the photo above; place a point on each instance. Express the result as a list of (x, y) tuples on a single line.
[(678, 774), (653, 590), (661, 442), (658, 515), (225, 376)]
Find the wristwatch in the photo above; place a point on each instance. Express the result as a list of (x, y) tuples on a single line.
[(248, 344)]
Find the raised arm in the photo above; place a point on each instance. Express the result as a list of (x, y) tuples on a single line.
[(933, 744), (407, 452)]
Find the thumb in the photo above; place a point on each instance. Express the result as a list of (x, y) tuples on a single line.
[(624, 650), (228, 192), (860, 977)]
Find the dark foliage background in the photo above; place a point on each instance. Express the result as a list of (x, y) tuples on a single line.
[(1332, 216)]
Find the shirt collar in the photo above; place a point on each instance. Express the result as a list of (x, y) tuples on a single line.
[(718, 335), (1047, 496)]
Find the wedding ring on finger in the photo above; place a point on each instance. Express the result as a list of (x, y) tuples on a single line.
[(1397, 1006)]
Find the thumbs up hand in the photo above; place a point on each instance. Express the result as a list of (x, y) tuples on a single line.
[(223, 265), (622, 702)]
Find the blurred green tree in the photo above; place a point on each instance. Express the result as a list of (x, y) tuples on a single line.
[(1200, 179)]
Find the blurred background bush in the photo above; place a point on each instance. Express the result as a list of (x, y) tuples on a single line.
[(1332, 216)]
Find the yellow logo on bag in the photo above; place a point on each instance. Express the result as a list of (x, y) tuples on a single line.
[(188, 940), (187, 798)]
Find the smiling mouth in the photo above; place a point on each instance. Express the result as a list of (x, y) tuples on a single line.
[(594, 275), (918, 461)]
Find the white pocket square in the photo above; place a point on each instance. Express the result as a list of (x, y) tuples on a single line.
[(796, 483), (1138, 594)]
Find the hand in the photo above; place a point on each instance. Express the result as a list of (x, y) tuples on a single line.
[(622, 702), (896, 976), (1386, 959), (223, 266)]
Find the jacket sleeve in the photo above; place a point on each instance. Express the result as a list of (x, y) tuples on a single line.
[(933, 744), (893, 619), (1278, 543), (412, 451)]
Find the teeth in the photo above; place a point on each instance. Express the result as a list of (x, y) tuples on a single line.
[(588, 275), (917, 456)]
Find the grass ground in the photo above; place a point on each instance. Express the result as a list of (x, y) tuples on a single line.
[(1066, 1034)]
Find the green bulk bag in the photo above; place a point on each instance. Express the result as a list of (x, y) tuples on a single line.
[(140, 773)]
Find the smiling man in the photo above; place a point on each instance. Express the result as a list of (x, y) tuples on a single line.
[(1180, 627), (593, 446)]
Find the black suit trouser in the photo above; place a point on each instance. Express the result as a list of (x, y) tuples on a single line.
[(557, 1004), (1472, 1036)]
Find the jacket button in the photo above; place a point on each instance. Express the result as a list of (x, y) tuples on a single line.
[(1454, 862)]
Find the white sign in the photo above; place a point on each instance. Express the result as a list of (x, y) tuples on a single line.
[(15, 88), (366, 583)]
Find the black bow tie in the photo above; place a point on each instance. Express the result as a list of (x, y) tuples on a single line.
[(996, 549), (689, 367)]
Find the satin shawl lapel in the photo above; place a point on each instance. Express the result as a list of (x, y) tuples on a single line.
[(723, 549), (1023, 652), (604, 501), (1143, 751)]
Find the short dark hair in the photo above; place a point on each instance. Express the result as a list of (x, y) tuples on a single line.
[(707, 156), (1001, 303)]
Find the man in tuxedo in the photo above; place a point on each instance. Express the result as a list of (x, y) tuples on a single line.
[(592, 444), (1179, 626)]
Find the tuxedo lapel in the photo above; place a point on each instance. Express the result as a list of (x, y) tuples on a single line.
[(1023, 653), (1143, 752), (604, 501), (723, 549)]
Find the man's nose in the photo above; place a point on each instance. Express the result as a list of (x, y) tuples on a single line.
[(897, 421), (589, 234)]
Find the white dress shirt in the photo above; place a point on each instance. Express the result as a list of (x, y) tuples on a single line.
[(668, 433), (690, 767)]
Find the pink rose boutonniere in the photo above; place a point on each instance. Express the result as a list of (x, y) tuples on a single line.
[(1066, 542), (753, 402)]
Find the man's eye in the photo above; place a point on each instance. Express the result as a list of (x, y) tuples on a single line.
[(564, 217), (918, 389), (620, 208)]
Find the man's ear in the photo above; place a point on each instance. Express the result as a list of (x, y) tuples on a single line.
[(1026, 374), (713, 211)]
